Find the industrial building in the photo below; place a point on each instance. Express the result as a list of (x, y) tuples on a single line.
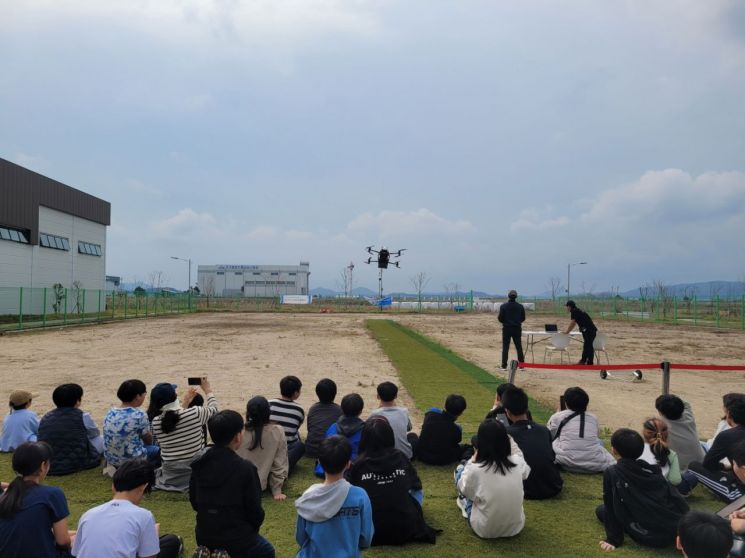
[(253, 280), (50, 234)]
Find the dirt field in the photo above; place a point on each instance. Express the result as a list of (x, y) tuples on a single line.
[(247, 354), (617, 403)]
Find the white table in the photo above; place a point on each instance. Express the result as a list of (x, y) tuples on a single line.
[(542, 335)]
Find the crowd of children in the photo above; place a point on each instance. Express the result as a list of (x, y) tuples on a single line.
[(371, 493)]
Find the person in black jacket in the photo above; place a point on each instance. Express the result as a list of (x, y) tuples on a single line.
[(584, 322), (534, 440), (511, 316), (440, 440), (637, 499), (711, 472), (393, 486), (225, 491)]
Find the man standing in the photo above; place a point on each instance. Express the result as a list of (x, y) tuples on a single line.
[(511, 316), (582, 320)]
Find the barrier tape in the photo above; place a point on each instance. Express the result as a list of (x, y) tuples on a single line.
[(630, 366)]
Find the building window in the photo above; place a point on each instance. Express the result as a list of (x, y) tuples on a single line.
[(239, 273), (14, 235), (275, 273), (54, 242), (88, 248), (292, 274), (221, 273)]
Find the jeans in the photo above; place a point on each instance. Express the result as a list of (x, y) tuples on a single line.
[(262, 549), (294, 452)]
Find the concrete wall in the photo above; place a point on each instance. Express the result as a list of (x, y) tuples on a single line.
[(256, 280)]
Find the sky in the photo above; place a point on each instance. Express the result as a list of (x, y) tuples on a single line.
[(498, 142)]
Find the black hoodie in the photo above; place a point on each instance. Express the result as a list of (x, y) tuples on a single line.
[(641, 502), (225, 491)]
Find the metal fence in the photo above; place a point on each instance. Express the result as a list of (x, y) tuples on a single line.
[(709, 312), (26, 308)]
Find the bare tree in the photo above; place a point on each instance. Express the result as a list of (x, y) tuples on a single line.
[(554, 284), (714, 290), (208, 289), (157, 280), (78, 293), (587, 290), (663, 294), (343, 281), (451, 291), (419, 282)]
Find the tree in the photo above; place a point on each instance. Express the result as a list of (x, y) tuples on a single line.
[(78, 293), (662, 293), (451, 291), (419, 282), (343, 283), (157, 280), (59, 295), (554, 284)]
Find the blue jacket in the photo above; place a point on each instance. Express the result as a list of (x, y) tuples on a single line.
[(334, 521), (351, 428)]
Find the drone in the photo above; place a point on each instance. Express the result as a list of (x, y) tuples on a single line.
[(384, 256)]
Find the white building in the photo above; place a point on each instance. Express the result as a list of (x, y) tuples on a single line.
[(253, 280), (50, 234)]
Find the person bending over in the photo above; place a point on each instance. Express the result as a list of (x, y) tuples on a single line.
[(583, 321)]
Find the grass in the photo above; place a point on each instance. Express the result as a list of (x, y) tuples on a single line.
[(562, 527)]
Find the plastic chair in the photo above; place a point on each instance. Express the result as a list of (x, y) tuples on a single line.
[(598, 346), (559, 343)]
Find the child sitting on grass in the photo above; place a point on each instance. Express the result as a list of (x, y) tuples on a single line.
[(348, 425), (290, 416), (490, 484), (334, 518), (656, 452), (576, 435), (637, 499), (74, 437), (682, 432), (20, 425), (321, 415), (703, 535), (440, 440), (264, 444), (126, 428), (397, 417)]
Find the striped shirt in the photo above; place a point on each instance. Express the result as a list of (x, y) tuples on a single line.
[(289, 415), (188, 436)]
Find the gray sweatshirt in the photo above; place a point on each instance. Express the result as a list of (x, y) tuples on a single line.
[(321, 502)]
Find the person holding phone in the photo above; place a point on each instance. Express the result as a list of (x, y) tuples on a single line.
[(178, 429)]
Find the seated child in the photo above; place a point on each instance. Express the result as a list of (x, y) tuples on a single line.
[(126, 428), (576, 435), (75, 439), (723, 425), (397, 417), (534, 441), (490, 485), (20, 425), (289, 415), (334, 518), (656, 452), (703, 535), (440, 440), (637, 499), (321, 415), (265, 445), (348, 425), (120, 527), (392, 484), (226, 494), (33, 516), (497, 411), (682, 435), (711, 472)]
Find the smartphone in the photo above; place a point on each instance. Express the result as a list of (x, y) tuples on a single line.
[(194, 381), (562, 403)]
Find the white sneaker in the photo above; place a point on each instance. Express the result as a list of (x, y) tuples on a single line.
[(503, 368)]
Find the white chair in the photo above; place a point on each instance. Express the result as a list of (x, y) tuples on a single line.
[(598, 346), (559, 343)]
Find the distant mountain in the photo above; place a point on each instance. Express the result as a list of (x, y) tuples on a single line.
[(323, 293)]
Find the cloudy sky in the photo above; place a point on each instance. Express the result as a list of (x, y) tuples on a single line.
[(497, 141)]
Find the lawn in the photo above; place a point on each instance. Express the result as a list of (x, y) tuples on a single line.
[(562, 527)]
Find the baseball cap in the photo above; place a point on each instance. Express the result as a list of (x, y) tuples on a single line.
[(512, 294), (21, 397)]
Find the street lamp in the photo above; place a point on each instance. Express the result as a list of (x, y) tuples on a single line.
[(569, 268), (188, 260)]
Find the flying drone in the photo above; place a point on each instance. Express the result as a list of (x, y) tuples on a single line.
[(384, 256)]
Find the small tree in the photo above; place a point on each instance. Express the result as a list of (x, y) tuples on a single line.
[(419, 282), (59, 295), (555, 286), (208, 289)]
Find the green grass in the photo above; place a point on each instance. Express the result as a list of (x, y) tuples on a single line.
[(562, 527)]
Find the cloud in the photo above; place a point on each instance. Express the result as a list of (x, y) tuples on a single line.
[(186, 222), (538, 220), (389, 223)]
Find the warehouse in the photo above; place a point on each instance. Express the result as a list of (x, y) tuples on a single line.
[(253, 280), (50, 234)]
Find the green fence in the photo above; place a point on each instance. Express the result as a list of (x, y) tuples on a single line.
[(710, 312), (26, 308)]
